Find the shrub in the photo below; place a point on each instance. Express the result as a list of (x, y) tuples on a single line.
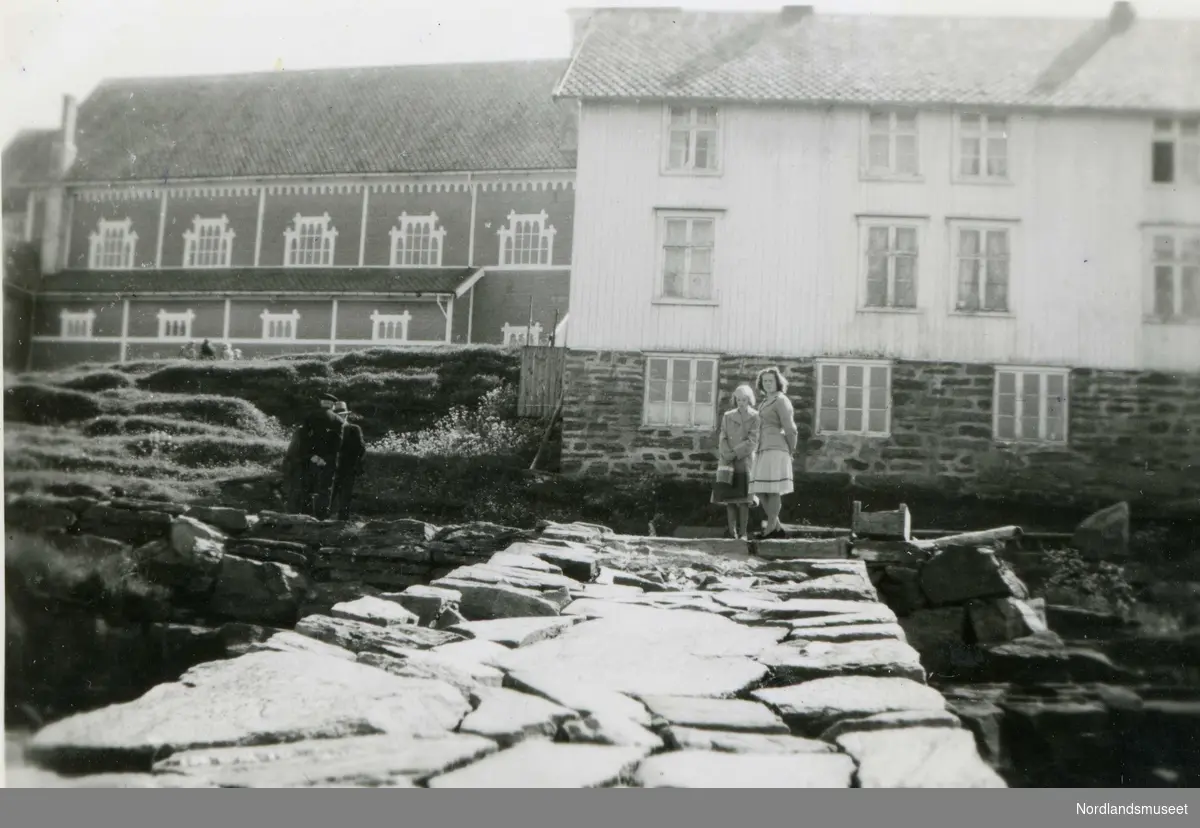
[(491, 429), (1102, 586), (47, 405), (98, 381), (208, 452)]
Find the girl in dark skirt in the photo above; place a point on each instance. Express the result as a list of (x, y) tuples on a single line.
[(736, 447)]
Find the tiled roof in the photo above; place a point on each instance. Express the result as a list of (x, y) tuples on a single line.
[(257, 280), (28, 157), (861, 59), (435, 118)]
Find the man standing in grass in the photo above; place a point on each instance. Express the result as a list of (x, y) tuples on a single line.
[(312, 459), (350, 463)]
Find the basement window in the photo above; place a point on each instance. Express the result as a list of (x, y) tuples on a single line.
[(1030, 405)]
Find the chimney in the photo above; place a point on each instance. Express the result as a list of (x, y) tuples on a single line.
[(794, 14), (1121, 18), (65, 149), (54, 254)]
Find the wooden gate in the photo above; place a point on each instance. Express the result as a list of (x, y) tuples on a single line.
[(541, 380)]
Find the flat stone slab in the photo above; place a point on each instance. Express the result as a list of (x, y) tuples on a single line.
[(425, 601), (813, 706), (543, 764), (580, 564), (746, 600), (894, 720), (376, 611), (359, 636), (255, 698), (716, 714), (28, 777), (508, 717), (486, 601), (356, 760), (919, 757), (517, 576), (579, 696), (605, 592), (474, 651), (435, 661), (653, 651), (725, 741), (801, 660), (848, 632), (791, 548), (519, 560), (794, 608), (606, 728), (457, 677), (839, 587), (710, 769), (869, 614), (515, 632), (289, 641)]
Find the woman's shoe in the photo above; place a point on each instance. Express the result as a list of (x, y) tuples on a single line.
[(729, 534)]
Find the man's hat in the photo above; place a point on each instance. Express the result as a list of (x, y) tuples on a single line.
[(340, 407), (328, 398)]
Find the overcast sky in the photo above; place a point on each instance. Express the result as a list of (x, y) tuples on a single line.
[(54, 47)]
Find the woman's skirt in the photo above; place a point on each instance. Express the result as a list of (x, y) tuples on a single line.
[(737, 492), (772, 473)]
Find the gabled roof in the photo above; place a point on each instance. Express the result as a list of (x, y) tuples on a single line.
[(28, 157), (410, 119), (258, 280), (1154, 65)]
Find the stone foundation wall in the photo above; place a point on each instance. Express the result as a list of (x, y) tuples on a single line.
[(1132, 436)]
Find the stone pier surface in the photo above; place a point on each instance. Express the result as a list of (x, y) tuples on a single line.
[(566, 657)]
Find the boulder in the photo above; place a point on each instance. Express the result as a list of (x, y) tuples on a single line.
[(374, 611), (715, 714), (1002, 619), (1104, 535), (135, 527), (507, 717), (233, 521), (918, 757), (709, 769), (849, 632), (1079, 623), (900, 589), (803, 660), (292, 554), (539, 763), (354, 760), (724, 741), (191, 574), (939, 635), (450, 617), (39, 514), (841, 587), (515, 632), (959, 574), (187, 533), (813, 706), (359, 636), (253, 699), (261, 591), (427, 602), (484, 601), (982, 718)]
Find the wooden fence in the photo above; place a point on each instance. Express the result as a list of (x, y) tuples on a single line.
[(541, 380)]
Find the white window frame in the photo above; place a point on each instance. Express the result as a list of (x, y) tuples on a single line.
[(866, 365), (515, 335), (984, 134), (403, 256), (890, 172), (1019, 372), (382, 322), (127, 244), (193, 238), (289, 321), (1180, 234), (68, 319), (660, 269), (509, 236), (865, 225), (984, 226), (690, 168), (1172, 129), (171, 320), (293, 235), (694, 360)]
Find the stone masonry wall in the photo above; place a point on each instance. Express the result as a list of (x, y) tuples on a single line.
[(1131, 435)]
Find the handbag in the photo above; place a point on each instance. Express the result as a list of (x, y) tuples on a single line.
[(724, 473)]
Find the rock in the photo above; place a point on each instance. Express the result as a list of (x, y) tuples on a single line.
[(137, 504), (359, 636), (361, 760), (905, 553), (1002, 619), (135, 527), (484, 602), (252, 699), (487, 653), (191, 574), (1079, 623), (894, 720), (460, 672), (835, 587), (653, 651), (709, 769), (810, 607), (427, 602), (918, 757), (939, 635), (229, 520), (581, 697), (609, 729), (450, 617), (773, 550), (187, 532), (455, 675), (39, 514), (812, 707), (606, 592), (900, 589), (1031, 660), (538, 763), (508, 717), (288, 641), (515, 632), (518, 560), (724, 741), (579, 564), (292, 554), (36, 778), (82, 545), (849, 632), (1064, 741), (715, 714), (374, 611), (801, 660), (488, 573), (870, 614), (961, 573), (983, 719), (644, 584), (1104, 535), (578, 532), (322, 596), (261, 591), (749, 601)]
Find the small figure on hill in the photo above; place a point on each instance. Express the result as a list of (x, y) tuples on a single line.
[(350, 463), (227, 352), (207, 351), (311, 462), (188, 351)]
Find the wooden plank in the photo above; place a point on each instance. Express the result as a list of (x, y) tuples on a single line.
[(893, 525), (541, 380)]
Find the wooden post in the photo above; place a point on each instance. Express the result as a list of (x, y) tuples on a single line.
[(545, 443)]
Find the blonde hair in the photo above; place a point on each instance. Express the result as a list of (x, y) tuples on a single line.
[(781, 384), (743, 391)]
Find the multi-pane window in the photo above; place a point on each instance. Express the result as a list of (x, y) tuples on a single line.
[(309, 241), (854, 397), (892, 143), (681, 392), (111, 245), (1031, 405), (1175, 152), (983, 147), (522, 334), (891, 266), (279, 325), (983, 265), (177, 325), (76, 324), (527, 241), (1176, 264), (687, 256), (692, 138), (417, 241), (390, 327), (209, 243)]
